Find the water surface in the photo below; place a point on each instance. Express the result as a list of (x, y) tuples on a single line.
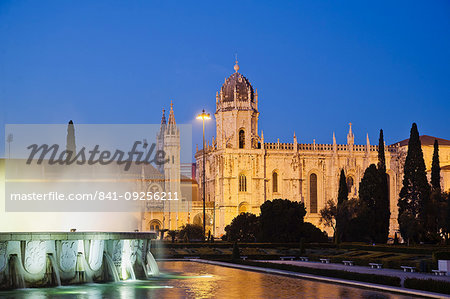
[(196, 280)]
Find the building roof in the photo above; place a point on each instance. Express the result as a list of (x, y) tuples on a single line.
[(446, 167), (239, 86), (426, 140)]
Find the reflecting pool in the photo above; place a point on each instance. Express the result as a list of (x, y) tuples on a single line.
[(197, 280)]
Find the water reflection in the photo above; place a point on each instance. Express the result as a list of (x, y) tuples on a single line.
[(196, 280)]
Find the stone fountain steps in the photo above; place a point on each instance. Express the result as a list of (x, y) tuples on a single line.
[(55, 258)]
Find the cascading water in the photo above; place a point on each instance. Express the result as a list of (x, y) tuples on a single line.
[(112, 270), (30, 262), (131, 271), (16, 272), (152, 266), (55, 269), (83, 269)]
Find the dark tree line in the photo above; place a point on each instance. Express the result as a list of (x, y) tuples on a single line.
[(280, 221), (366, 218), (424, 210)]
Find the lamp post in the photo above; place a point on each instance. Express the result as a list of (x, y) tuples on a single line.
[(204, 116)]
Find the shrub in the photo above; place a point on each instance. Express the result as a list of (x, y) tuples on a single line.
[(441, 255), (430, 285), (281, 220), (311, 233), (244, 228), (302, 246), (191, 232)]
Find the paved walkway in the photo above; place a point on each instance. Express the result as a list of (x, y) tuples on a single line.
[(360, 269)]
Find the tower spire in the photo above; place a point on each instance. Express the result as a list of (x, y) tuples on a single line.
[(163, 118), (350, 136), (171, 115), (236, 66)]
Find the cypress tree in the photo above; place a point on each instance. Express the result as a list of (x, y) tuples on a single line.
[(369, 194), (436, 169), (415, 193), (381, 156), (446, 224), (436, 207), (343, 190), (382, 200), (341, 222)]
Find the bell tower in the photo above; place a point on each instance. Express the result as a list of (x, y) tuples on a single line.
[(237, 113)]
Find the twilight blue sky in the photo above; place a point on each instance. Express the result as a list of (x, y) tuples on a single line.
[(317, 65)]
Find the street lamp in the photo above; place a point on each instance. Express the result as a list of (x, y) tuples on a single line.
[(204, 116)]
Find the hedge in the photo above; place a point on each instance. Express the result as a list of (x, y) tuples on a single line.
[(427, 250), (372, 278), (418, 249), (430, 285), (441, 255)]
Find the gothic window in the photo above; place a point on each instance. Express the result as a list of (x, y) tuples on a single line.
[(242, 183), (275, 181), (241, 138), (155, 225), (313, 193)]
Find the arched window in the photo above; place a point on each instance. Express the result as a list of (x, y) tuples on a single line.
[(275, 181), (349, 184), (242, 183), (155, 225), (313, 193), (243, 208), (241, 138)]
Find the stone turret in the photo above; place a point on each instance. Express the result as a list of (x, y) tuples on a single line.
[(236, 113)]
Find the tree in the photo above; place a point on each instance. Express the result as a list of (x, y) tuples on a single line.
[(244, 228), (436, 207), (436, 169), (312, 234), (382, 200), (328, 216), (341, 220), (446, 222), (373, 206), (191, 232), (172, 234), (415, 193), (343, 190), (369, 193), (381, 155), (281, 220)]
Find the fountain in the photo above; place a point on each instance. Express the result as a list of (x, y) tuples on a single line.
[(151, 267), (55, 270), (49, 259), (112, 270), (16, 274)]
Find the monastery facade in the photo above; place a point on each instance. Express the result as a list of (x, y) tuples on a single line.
[(243, 170)]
